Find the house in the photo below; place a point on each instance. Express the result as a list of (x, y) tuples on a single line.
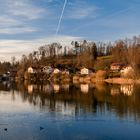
[(116, 66), (56, 71), (47, 69), (32, 70), (128, 70), (84, 71)]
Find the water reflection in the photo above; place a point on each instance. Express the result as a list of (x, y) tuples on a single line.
[(84, 88), (66, 87), (127, 89), (56, 88), (74, 100), (30, 89), (115, 91)]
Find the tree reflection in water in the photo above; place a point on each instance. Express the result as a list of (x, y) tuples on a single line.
[(69, 99)]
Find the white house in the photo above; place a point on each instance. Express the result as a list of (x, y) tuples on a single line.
[(30, 70), (127, 71), (84, 71), (56, 71)]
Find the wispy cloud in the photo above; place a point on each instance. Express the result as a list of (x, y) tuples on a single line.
[(24, 9), (117, 19), (82, 13), (16, 15), (81, 10), (8, 21), (50, 1), (17, 30)]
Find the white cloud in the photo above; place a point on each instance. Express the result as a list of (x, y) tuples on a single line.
[(8, 21), (17, 30), (81, 10), (24, 9), (15, 16), (16, 48), (82, 13)]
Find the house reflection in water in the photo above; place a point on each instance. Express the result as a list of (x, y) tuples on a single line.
[(124, 89), (66, 87), (30, 89), (65, 109), (127, 89), (115, 91), (56, 88), (47, 88), (84, 88), (35, 88)]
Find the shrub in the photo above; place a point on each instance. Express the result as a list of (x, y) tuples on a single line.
[(101, 74)]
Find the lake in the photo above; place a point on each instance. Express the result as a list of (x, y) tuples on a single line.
[(69, 111)]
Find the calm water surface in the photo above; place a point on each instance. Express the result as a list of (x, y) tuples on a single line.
[(69, 112)]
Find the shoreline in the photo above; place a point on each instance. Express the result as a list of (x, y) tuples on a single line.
[(87, 79), (122, 81)]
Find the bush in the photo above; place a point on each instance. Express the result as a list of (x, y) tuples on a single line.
[(101, 74), (113, 74)]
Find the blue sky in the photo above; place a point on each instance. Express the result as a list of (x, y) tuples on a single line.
[(27, 24)]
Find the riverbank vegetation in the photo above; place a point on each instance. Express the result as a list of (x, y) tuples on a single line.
[(109, 58)]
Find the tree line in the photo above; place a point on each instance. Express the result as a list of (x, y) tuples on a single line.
[(79, 54)]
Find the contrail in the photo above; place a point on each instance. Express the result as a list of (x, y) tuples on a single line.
[(61, 16)]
